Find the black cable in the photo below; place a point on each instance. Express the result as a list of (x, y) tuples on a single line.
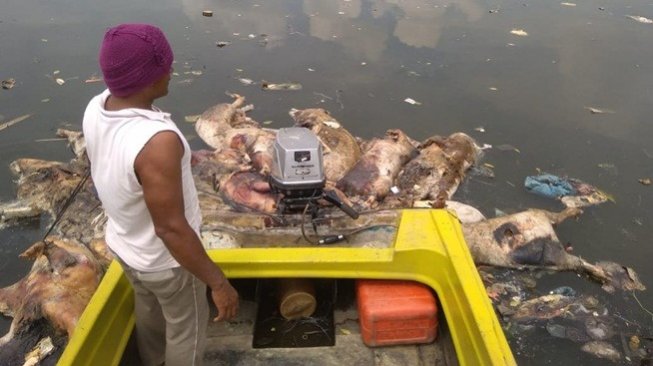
[(302, 225)]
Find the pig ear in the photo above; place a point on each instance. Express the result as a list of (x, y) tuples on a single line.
[(34, 251)]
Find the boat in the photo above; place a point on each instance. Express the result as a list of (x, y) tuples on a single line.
[(427, 247)]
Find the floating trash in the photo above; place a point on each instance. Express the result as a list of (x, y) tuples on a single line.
[(572, 192), (207, 13), (645, 181), (637, 18), (221, 44), (42, 349), (246, 81), (608, 167), (519, 32), (599, 110), (602, 349), (93, 79), (633, 343), (568, 4), (281, 86), (8, 84), (192, 118), (507, 147), (60, 81), (479, 129), (14, 121), (412, 101)]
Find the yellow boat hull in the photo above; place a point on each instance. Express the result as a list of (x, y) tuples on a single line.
[(429, 248)]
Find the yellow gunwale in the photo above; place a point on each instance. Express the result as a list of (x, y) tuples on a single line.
[(429, 248)]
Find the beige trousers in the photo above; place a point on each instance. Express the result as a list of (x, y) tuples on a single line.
[(172, 314)]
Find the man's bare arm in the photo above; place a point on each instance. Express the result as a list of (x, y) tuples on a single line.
[(158, 167)]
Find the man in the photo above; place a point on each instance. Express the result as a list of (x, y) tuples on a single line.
[(140, 164)]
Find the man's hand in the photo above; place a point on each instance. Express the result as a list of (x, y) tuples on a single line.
[(225, 299)]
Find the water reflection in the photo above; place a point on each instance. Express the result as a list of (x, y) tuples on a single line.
[(455, 57)]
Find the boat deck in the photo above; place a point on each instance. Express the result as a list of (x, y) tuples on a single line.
[(231, 343)]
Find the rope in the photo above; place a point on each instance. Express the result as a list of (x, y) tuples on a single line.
[(66, 204)]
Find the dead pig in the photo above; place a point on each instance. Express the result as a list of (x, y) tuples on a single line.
[(437, 171), (249, 192), (375, 172), (213, 124), (527, 239), (62, 280)]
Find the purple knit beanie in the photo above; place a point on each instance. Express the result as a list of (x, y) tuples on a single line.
[(134, 56)]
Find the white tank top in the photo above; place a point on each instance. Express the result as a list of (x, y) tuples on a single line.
[(113, 140)]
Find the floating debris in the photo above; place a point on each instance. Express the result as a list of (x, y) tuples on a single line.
[(60, 81), (207, 13), (412, 101), (493, 88), (479, 129), (246, 81), (8, 84), (192, 118), (507, 147), (599, 110), (519, 32), (637, 18), (602, 349), (568, 4), (39, 352), (633, 343), (282, 86), (93, 79), (45, 100), (645, 181), (572, 192), (493, 11), (608, 167), (14, 121), (221, 44)]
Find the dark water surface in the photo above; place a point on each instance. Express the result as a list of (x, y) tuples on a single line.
[(361, 60)]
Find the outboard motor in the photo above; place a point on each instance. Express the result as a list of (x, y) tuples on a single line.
[(298, 173)]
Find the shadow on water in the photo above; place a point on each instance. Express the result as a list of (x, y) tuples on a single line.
[(361, 60)]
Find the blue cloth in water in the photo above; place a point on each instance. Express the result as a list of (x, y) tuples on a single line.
[(549, 185)]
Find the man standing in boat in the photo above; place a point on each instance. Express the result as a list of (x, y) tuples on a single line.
[(140, 164)]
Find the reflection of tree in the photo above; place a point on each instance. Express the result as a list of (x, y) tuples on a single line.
[(232, 17)]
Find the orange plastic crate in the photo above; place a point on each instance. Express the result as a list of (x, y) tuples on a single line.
[(396, 312)]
